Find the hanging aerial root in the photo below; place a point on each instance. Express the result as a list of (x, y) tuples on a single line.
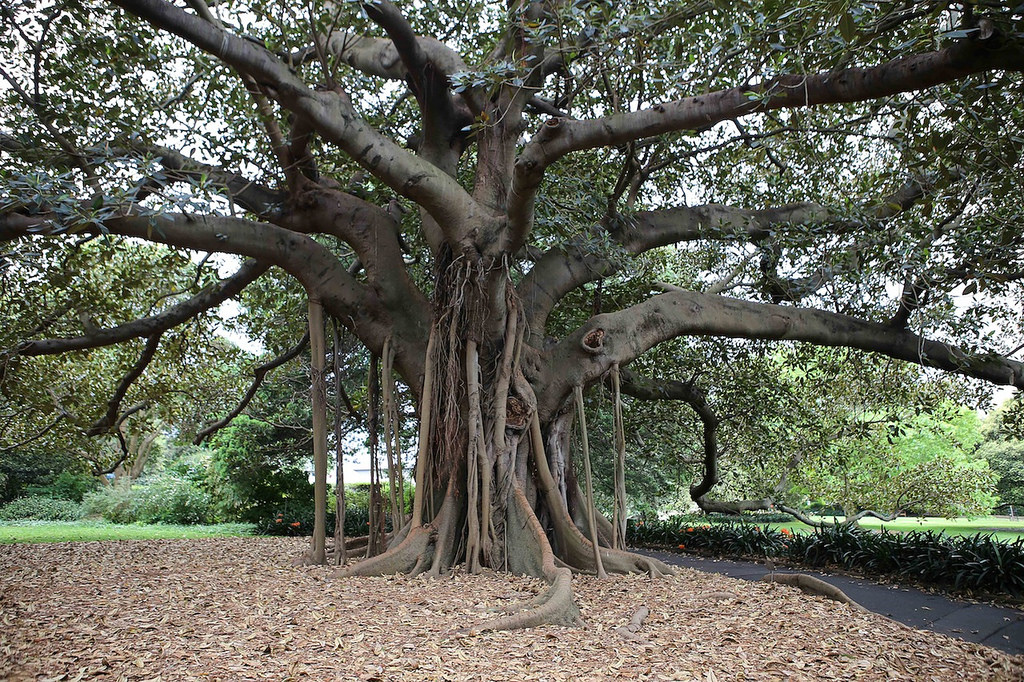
[(585, 445), (575, 549), (811, 585), (401, 559)]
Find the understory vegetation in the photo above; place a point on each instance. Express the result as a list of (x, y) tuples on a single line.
[(973, 564)]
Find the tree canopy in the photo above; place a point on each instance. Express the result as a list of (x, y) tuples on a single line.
[(512, 201)]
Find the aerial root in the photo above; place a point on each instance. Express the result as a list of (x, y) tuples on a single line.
[(613, 560), (360, 542), (554, 606), (401, 559), (811, 585)]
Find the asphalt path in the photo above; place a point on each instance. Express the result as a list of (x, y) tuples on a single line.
[(995, 626)]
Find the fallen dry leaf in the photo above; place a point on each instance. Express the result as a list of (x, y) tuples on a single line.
[(235, 609)]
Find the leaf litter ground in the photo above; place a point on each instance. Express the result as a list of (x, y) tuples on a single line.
[(234, 609)]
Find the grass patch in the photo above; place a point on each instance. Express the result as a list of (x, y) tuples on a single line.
[(89, 531)]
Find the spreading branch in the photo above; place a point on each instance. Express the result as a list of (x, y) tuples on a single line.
[(110, 419), (558, 137), (259, 375), (563, 269), (156, 324), (251, 196), (329, 112), (628, 333)]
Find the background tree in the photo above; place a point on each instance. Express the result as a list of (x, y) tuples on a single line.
[(445, 179), (258, 470), (1003, 447)]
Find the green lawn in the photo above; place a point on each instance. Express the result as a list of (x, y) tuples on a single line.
[(1001, 527), (84, 531)]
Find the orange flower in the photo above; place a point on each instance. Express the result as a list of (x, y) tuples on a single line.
[(690, 529), (785, 531), (277, 520), (295, 524), (682, 546)]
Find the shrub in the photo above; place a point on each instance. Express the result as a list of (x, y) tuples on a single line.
[(167, 499), (67, 485), (113, 503), (257, 471), (41, 509), (174, 500), (976, 563)]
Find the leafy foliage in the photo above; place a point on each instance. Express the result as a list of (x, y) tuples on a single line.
[(67, 485), (256, 472), (41, 509), (1003, 448), (973, 563), (164, 499)]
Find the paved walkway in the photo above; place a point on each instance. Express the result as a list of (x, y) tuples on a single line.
[(995, 626)]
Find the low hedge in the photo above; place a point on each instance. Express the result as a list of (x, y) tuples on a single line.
[(37, 508), (975, 563)]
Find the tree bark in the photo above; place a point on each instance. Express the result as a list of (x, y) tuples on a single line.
[(318, 352)]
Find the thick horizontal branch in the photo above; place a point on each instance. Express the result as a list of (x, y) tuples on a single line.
[(562, 270), (645, 230), (172, 317), (627, 334), (558, 137), (251, 196), (379, 57), (329, 112), (372, 232), (364, 309), (848, 521), (312, 264)]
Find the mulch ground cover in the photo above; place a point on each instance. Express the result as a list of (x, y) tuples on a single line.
[(235, 609)]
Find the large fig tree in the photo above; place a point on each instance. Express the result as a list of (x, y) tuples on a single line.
[(519, 200)]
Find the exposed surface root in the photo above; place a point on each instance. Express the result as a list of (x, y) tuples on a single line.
[(629, 630), (554, 606), (401, 559), (811, 585)]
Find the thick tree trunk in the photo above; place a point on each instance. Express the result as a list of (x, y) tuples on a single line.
[(504, 495)]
